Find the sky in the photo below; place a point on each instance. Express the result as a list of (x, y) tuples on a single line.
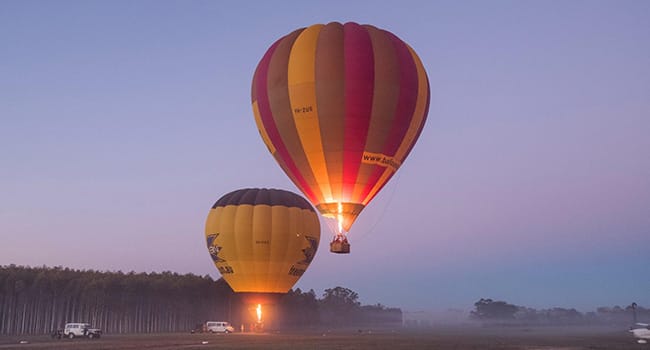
[(122, 122)]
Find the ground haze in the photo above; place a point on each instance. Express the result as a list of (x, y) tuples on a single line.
[(456, 337)]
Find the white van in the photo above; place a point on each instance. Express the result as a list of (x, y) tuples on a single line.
[(218, 327), (72, 330)]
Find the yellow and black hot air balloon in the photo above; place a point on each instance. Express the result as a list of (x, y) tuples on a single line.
[(340, 106), (262, 240)]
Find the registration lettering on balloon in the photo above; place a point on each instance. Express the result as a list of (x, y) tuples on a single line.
[(296, 271), (303, 109), (225, 269)]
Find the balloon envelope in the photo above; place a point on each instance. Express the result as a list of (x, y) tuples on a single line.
[(340, 106), (262, 240)]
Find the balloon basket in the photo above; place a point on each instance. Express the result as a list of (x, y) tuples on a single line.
[(340, 247)]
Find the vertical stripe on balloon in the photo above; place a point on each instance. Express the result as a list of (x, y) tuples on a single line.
[(359, 85), (330, 99), (264, 86), (302, 94), (403, 114), (385, 98), (415, 126)]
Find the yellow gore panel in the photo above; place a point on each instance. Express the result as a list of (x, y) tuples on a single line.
[(302, 93)]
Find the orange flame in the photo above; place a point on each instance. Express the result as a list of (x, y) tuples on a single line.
[(340, 218), (259, 313)]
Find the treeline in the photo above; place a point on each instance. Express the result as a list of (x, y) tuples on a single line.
[(338, 307), (38, 300), (501, 312)]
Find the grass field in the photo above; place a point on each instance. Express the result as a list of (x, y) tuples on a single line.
[(459, 338)]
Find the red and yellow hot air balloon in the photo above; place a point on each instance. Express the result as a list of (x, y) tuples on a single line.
[(340, 106)]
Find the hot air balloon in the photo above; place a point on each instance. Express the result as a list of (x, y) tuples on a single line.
[(340, 106), (262, 240)]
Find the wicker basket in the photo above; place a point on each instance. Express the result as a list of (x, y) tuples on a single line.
[(340, 247)]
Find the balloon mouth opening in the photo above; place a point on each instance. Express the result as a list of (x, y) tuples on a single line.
[(342, 214), (257, 298)]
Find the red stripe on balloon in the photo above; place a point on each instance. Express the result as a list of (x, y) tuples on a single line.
[(266, 116), (407, 98), (406, 103), (359, 84)]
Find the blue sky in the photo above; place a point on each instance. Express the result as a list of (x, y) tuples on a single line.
[(122, 122)]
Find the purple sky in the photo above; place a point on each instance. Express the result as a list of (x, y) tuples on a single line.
[(122, 122)]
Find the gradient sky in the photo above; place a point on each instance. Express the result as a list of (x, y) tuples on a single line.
[(122, 122)]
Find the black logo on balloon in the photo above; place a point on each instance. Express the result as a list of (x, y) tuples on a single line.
[(310, 251), (214, 249)]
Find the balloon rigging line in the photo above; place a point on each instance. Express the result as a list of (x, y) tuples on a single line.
[(381, 216)]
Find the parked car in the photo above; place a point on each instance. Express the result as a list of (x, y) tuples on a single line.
[(219, 327), (73, 330)]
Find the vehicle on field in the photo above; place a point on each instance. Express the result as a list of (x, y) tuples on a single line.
[(81, 330), (219, 327), (641, 331)]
